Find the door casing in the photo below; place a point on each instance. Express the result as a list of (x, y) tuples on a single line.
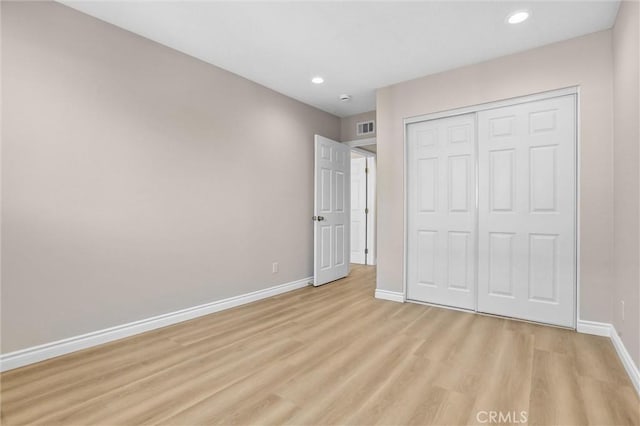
[(358, 216)]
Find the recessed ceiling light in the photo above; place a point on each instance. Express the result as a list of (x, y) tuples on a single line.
[(517, 17), (317, 80)]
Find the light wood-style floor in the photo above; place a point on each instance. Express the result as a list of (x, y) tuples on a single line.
[(330, 355)]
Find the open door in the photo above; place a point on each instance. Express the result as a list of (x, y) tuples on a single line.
[(331, 226)]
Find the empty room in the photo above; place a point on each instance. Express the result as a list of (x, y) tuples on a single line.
[(320, 212)]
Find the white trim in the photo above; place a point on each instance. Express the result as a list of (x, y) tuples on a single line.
[(405, 204), (577, 211), (476, 176), (39, 353), (394, 296), (627, 361), (360, 142), (372, 204), (595, 328), (608, 330), (573, 90), (363, 152)]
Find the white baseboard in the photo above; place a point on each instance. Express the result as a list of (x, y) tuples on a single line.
[(39, 353), (595, 328), (608, 330), (627, 361), (394, 296)]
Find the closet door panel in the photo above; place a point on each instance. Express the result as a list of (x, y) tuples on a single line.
[(441, 206), (527, 198)]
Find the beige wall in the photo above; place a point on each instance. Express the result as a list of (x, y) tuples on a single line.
[(348, 126), (137, 180), (584, 61), (626, 166)]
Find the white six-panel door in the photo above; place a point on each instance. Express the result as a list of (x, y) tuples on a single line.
[(527, 198), (358, 206), (331, 211), (523, 262), (441, 227)]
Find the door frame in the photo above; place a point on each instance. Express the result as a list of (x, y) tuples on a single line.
[(572, 90), (372, 193), (356, 143)]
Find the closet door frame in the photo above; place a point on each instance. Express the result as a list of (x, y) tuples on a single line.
[(573, 90)]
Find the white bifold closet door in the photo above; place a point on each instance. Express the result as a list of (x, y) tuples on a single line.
[(441, 211), (527, 198)]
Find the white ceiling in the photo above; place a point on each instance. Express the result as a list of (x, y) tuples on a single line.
[(356, 46)]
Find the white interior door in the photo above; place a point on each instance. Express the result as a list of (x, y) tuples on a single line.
[(358, 208), (527, 196), (331, 217), (441, 227)]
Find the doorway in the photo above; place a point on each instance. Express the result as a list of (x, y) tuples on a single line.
[(334, 165), (363, 201)]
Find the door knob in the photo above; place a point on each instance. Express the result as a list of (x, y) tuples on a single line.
[(318, 218)]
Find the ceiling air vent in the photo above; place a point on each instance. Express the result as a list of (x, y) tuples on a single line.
[(365, 128)]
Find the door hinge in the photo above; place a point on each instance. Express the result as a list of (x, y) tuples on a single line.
[(366, 211), (366, 251), (366, 170)]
